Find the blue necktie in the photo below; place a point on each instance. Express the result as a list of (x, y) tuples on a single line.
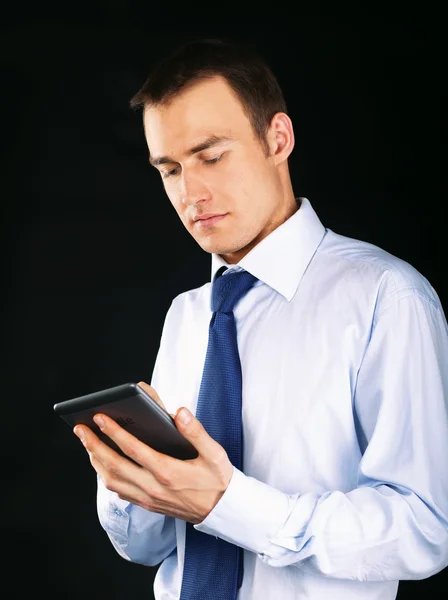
[(213, 568)]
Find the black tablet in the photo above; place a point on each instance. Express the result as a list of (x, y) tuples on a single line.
[(134, 410)]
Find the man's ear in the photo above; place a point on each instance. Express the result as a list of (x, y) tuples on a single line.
[(280, 137)]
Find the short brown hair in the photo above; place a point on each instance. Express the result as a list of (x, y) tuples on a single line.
[(248, 75)]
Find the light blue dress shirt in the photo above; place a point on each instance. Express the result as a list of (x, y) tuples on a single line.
[(344, 351)]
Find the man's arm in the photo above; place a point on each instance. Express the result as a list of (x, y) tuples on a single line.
[(394, 525), (137, 534)]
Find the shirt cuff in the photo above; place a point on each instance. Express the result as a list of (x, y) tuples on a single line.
[(249, 514), (113, 512)]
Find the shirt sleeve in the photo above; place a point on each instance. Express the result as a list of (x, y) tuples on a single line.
[(394, 524)]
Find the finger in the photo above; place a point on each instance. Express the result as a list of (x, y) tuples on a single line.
[(114, 481), (132, 447), (116, 472), (87, 437), (151, 392), (96, 447), (195, 433)]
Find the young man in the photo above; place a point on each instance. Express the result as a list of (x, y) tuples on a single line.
[(342, 487)]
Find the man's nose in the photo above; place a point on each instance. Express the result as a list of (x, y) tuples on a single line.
[(193, 188)]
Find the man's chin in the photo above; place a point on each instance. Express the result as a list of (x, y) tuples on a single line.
[(214, 248), (212, 245)]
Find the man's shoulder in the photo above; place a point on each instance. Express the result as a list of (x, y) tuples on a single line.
[(366, 263)]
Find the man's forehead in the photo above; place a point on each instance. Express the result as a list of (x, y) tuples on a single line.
[(191, 127), (210, 103)]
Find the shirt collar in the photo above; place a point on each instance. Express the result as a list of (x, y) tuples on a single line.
[(281, 258)]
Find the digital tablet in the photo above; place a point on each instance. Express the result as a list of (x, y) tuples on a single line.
[(134, 410)]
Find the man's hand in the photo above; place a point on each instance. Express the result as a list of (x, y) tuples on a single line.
[(186, 489)]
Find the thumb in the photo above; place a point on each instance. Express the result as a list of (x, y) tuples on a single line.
[(194, 432)]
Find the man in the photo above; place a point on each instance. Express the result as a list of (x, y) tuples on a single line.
[(343, 486)]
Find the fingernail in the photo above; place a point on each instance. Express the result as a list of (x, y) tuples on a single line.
[(184, 416), (80, 433), (99, 421)]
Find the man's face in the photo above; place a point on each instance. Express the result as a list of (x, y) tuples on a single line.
[(215, 171)]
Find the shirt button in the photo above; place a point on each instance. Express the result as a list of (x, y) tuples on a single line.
[(118, 512)]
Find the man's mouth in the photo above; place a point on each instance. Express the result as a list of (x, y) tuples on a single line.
[(208, 219)]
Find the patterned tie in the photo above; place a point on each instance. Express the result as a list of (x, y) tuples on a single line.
[(213, 568)]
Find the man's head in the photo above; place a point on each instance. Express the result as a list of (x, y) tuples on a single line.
[(217, 130)]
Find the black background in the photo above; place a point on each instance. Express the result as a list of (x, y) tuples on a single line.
[(93, 252)]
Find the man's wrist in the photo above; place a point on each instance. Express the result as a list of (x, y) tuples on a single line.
[(220, 493), (249, 514)]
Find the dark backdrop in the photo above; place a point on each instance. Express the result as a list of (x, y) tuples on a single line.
[(93, 252)]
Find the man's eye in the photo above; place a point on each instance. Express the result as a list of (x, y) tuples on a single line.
[(166, 174), (212, 161)]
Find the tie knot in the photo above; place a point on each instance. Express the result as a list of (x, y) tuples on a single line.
[(229, 289)]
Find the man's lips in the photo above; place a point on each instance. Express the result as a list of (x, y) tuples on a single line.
[(208, 219)]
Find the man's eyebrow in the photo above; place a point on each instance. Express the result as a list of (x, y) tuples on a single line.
[(209, 142)]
